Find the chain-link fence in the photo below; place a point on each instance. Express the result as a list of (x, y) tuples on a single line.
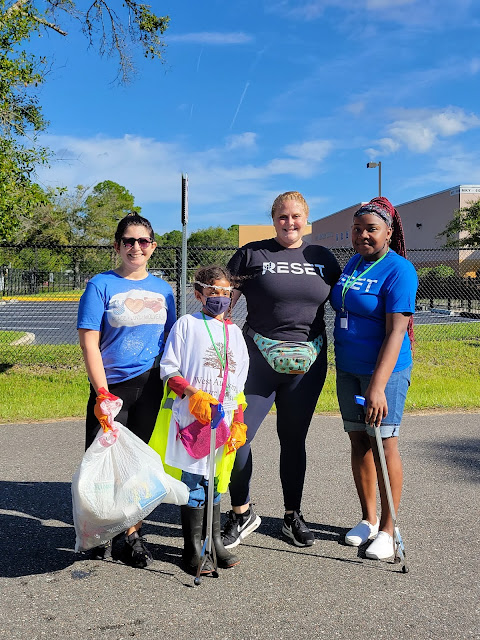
[(40, 288)]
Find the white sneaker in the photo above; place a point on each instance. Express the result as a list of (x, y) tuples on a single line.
[(381, 548), (362, 532)]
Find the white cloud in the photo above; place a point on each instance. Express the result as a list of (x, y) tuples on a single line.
[(211, 37), (474, 65), (372, 5), (151, 170), (451, 166), (247, 140), (314, 150), (384, 146), (420, 129), (293, 166), (356, 108), (430, 13), (311, 9), (414, 135)]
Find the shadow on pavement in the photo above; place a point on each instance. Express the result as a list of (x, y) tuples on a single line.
[(38, 535), (37, 531), (273, 527), (462, 454)]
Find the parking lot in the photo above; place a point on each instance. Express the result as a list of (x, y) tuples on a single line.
[(55, 322), (278, 590)]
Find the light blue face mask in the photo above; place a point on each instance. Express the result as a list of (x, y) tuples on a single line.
[(216, 305)]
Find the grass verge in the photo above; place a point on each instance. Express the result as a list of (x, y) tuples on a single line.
[(7, 337), (445, 370), (444, 377), (41, 382)]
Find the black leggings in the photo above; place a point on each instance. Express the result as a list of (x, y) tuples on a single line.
[(295, 397), (141, 401)]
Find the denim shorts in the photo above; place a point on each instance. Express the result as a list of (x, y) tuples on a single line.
[(198, 486), (350, 385)]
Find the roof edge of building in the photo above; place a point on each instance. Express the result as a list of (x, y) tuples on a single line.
[(436, 193)]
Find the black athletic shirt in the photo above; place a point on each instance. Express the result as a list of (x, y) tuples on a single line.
[(285, 289)]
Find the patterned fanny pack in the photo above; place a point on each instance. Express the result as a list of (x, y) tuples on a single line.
[(285, 356)]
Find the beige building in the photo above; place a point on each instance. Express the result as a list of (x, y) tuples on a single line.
[(253, 232), (423, 220)]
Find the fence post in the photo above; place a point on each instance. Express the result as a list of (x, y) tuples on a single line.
[(178, 278), (183, 289)]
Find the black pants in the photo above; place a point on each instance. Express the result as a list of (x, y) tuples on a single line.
[(141, 401), (295, 397)]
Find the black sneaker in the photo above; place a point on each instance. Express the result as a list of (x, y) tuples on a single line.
[(239, 526), (295, 528), (136, 552), (110, 549), (102, 552)]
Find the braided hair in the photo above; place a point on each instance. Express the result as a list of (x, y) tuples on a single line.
[(384, 209)]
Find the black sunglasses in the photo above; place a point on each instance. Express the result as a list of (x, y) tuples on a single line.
[(144, 243)]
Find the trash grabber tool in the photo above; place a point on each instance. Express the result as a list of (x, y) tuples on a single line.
[(208, 549), (398, 546)]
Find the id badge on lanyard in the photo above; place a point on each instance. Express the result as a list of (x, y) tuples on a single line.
[(349, 284)]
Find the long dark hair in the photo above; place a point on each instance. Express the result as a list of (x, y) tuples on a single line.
[(132, 219)]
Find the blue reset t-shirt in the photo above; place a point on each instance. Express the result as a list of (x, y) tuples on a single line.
[(132, 317), (389, 287)]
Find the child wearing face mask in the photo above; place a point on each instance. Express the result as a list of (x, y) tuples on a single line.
[(205, 362)]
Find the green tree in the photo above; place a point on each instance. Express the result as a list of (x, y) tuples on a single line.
[(205, 247), (169, 239), (108, 203), (111, 30), (56, 220), (466, 219), (20, 120), (215, 237), (166, 259)]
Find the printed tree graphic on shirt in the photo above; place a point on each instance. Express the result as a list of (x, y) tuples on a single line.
[(212, 360)]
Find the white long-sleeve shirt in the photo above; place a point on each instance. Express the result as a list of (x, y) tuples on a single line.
[(189, 352)]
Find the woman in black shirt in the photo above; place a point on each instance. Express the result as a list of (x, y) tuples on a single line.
[(286, 283)]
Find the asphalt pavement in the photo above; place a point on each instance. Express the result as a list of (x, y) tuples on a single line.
[(55, 322), (278, 591)]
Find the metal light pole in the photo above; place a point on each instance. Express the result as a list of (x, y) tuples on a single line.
[(374, 165)]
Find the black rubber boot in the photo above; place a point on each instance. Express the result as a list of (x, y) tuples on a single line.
[(192, 524), (225, 559)]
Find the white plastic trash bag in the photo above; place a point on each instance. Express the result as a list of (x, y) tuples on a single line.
[(118, 483)]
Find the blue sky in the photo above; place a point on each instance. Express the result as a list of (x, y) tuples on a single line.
[(257, 97)]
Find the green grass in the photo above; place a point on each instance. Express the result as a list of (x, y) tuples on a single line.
[(40, 382), (7, 337), (64, 356), (445, 370), (29, 394)]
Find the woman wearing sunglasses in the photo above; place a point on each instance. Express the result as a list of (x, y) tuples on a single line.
[(123, 317)]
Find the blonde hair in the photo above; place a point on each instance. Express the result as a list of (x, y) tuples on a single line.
[(290, 195)]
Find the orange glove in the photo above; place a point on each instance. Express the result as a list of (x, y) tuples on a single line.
[(199, 406), (238, 436), (102, 417)]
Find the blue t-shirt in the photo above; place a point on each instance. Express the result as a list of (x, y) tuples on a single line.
[(132, 317), (389, 287)]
